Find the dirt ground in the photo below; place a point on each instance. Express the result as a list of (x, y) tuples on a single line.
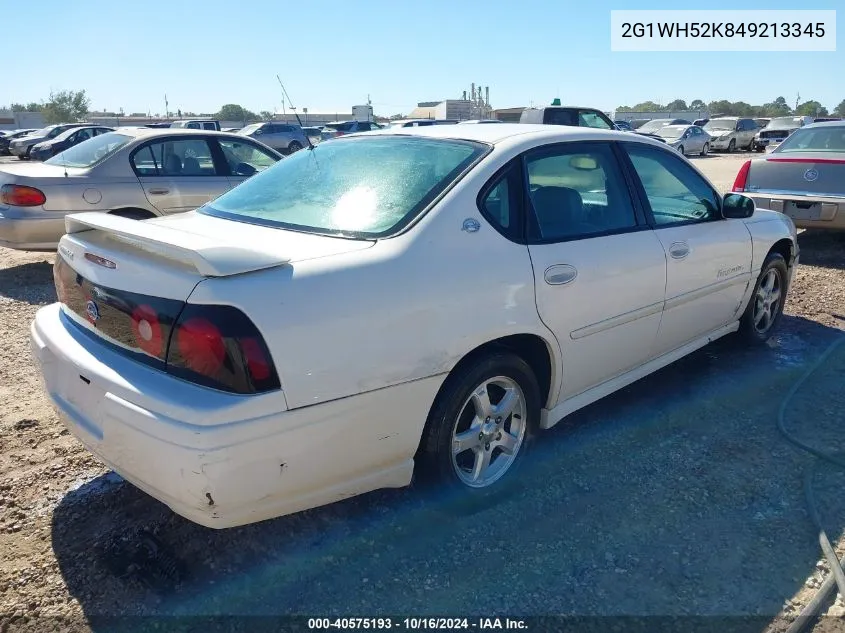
[(675, 497)]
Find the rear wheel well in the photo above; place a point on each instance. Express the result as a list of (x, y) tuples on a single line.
[(133, 213), (530, 347)]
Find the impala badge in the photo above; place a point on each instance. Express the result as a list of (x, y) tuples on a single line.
[(811, 175), (470, 225)]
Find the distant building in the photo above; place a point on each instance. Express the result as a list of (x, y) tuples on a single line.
[(460, 109), (20, 120)]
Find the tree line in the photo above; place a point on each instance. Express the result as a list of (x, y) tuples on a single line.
[(778, 107)]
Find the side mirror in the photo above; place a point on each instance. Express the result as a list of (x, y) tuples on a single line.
[(736, 206)]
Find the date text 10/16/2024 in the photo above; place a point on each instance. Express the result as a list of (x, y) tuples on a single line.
[(417, 624)]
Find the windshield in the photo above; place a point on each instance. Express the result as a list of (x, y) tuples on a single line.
[(90, 152), (358, 187), (720, 124), (671, 132), (784, 123), (824, 139), (340, 127), (249, 129)]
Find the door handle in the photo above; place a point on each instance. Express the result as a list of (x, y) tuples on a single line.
[(158, 192), (560, 274), (679, 250)]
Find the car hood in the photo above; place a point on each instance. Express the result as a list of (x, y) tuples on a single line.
[(716, 133), (29, 139)]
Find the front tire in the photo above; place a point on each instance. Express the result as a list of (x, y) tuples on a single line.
[(765, 307), (481, 425), (732, 146), (681, 150)]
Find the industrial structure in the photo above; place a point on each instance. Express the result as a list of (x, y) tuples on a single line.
[(475, 105)]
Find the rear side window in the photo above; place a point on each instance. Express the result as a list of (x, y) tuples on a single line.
[(560, 117), (501, 203), (577, 190)]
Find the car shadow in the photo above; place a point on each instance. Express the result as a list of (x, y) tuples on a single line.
[(822, 248), (675, 496), (31, 283)]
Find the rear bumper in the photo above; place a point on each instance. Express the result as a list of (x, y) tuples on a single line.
[(826, 213), (31, 228), (219, 459)]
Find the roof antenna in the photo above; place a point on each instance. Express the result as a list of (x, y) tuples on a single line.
[(296, 114)]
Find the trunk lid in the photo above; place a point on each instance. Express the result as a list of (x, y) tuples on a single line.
[(112, 272), (804, 173)]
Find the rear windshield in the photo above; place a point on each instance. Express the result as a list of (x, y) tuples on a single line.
[(824, 139), (784, 123), (90, 152), (720, 124), (360, 187), (340, 127), (670, 132)]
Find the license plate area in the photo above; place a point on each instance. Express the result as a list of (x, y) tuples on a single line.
[(803, 210)]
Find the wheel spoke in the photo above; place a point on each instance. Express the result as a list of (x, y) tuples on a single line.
[(481, 402), (774, 297), (507, 443), (761, 313), (507, 404), (482, 461), (468, 440)]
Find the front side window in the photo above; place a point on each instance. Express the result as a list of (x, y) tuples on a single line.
[(577, 190), (360, 187), (592, 119), (88, 154), (245, 159), (169, 157), (675, 192)]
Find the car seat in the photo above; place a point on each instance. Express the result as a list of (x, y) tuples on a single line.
[(172, 164), (191, 166), (559, 212)]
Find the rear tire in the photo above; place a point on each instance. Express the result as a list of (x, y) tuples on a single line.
[(481, 426), (705, 149), (133, 214), (765, 308), (294, 147), (681, 150)]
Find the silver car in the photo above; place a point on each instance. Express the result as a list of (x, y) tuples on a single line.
[(803, 177), (133, 172), (687, 139), (22, 146), (731, 133), (282, 137)]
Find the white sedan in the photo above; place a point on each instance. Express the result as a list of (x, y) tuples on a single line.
[(425, 298)]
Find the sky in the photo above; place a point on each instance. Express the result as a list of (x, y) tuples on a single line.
[(332, 55)]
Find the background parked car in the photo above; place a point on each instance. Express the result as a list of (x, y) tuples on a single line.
[(778, 130), (68, 138), (282, 137), (197, 124), (339, 128), (480, 121), (700, 122), (134, 172), (687, 139), (422, 122), (22, 146), (731, 133), (567, 115), (11, 135), (655, 124), (802, 177), (624, 126)]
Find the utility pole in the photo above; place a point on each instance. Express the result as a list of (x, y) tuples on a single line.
[(797, 99)]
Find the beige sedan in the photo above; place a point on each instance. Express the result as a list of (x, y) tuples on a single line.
[(134, 172)]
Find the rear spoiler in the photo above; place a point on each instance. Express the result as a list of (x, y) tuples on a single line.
[(210, 257)]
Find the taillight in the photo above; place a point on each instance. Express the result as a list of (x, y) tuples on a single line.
[(742, 177), (22, 196), (146, 329), (219, 347)]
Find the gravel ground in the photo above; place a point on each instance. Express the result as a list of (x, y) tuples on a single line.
[(674, 497)]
